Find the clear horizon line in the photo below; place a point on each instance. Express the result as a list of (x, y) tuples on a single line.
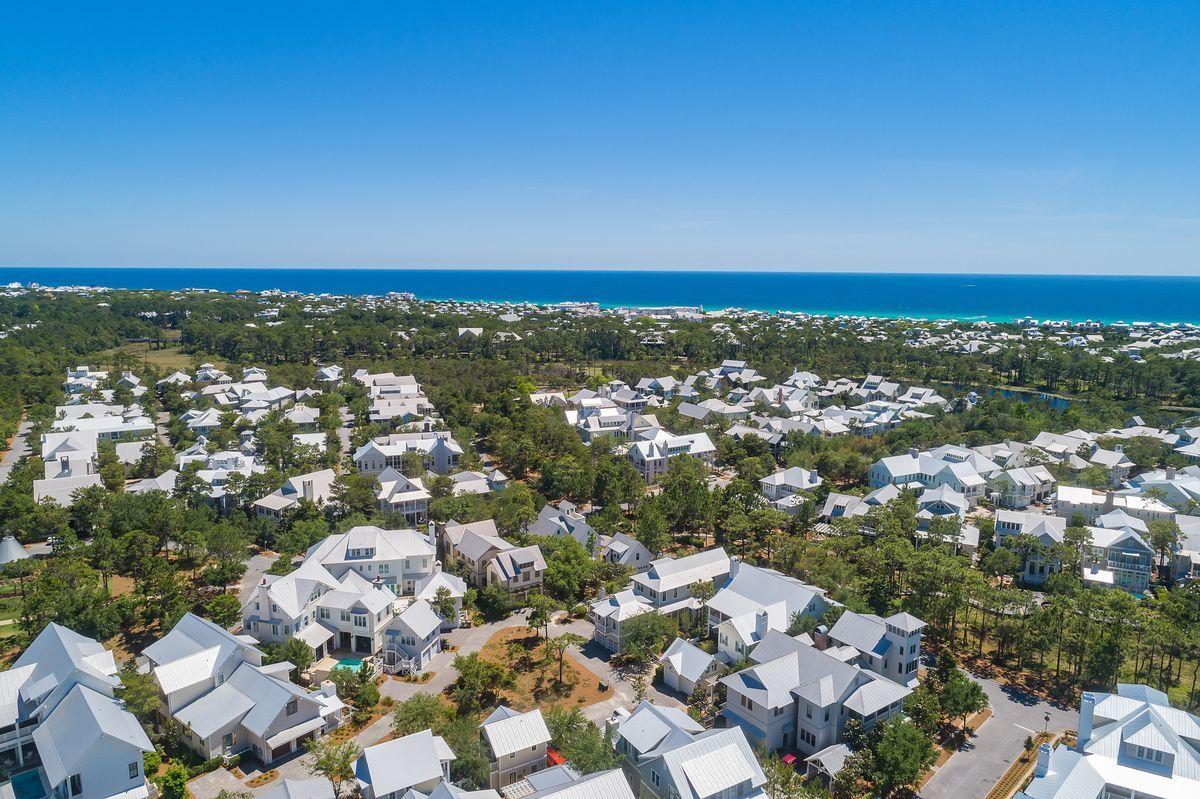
[(630, 269)]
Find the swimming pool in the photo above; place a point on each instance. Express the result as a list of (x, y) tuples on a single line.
[(27, 785), (349, 663)]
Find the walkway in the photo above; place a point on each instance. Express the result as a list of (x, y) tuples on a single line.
[(975, 768), (18, 450)]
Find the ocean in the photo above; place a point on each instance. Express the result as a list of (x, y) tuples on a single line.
[(935, 296)]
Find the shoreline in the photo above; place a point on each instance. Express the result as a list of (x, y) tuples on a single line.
[(928, 297)]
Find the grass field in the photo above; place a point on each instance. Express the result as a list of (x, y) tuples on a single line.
[(167, 358)]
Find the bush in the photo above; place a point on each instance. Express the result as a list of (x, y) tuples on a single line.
[(151, 762)]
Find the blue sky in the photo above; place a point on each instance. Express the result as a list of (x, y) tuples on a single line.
[(958, 136)]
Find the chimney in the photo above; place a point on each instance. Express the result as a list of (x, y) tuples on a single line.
[(1109, 501), (1119, 448), (760, 624), (1170, 472), (437, 567), (1043, 760), (914, 452), (735, 564), (1087, 707), (306, 489), (603, 593)]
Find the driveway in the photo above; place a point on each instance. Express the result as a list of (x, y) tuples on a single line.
[(256, 567), (975, 768), (18, 450)]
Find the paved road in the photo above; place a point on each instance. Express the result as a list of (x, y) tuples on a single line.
[(160, 425), (256, 567), (973, 770), (19, 449)]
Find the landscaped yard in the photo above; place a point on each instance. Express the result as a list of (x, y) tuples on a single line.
[(523, 651)]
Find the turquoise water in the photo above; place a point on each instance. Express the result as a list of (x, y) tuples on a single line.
[(992, 297), (27, 785), (350, 663)]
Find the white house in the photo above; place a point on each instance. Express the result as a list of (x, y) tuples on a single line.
[(1131, 743), (390, 770), (684, 665), (516, 744), (66, 734), (890, 647), (652, 456), (315, 486)]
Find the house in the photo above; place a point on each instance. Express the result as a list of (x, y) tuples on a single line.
[(1131, 743), (1121, 558), (517, 569), (438, 451), (609, 613), (685, 665), (516, 744), (394, 558), (667, 583), (565, 520), (1091, 504), (315, 487), (438, 580), (412, 639), (192, 659), (665, 756), (652, 456), (418, 762), (325, 612), (622, 550), (214, 684), (462, 483), (403, 496), (67, 736), (890, 647), (964, 470), (258, 710), (330, 375), (756, 600), (312, 788), (802, 699), (1021, 487), (785, 489), (563, 782)]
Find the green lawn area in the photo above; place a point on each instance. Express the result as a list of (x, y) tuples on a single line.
[(167, 358)]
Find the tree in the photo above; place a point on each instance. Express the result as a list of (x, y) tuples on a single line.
[(139, 692), (580, 741), (685, 498), (541, 608), (354, 493), (901, 756), (296, 652), (651, 528), (495, 601), (443, 603), (224, 609), (174, 782), (961, 696), (569, 568), (479, 682), (643, 636), (1164, 537), (332, 760), (421, 712), (559, 645)]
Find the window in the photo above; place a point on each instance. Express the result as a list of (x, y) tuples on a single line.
[(746, 702), (654, 778), (808, 710), (291, 707), (76, 785), (133, 770), (227, 741)]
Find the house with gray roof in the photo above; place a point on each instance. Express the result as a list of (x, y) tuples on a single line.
[(396, 558), (802, 700), (890, 647), (67, 731), (1131, 743), (419, 762), (565, 520), (259, 710), (684, 665), (624, 550), (516, 744), (757, 599)]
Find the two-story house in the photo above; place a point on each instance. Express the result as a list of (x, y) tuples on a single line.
[(516, 744), (62, 732)]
